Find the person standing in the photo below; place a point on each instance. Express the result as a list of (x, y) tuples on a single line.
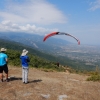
[(3, 64), (25, 66)]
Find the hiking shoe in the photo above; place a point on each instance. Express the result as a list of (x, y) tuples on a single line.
[(1, 80), (7, 80), (26, 82)]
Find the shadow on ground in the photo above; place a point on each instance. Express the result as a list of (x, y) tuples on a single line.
[(18, 78)]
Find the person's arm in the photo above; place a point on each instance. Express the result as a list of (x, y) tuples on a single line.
[(28, 60), (6, 58)]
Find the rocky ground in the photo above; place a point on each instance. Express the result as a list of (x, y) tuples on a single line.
[(48, 86)]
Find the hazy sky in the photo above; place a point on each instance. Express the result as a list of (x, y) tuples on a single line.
[(80, 18)]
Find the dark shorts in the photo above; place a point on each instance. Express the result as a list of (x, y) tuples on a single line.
[(4, 68)]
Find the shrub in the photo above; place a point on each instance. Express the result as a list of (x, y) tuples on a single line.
[(94, 78)]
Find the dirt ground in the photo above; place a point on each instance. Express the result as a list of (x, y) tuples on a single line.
[(48, 86)]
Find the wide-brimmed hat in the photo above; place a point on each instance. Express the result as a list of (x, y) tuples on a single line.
[(24, 52), (3, 49)]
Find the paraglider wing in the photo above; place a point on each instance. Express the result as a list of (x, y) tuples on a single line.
[(59, 33), (71, 36), (51, 34)]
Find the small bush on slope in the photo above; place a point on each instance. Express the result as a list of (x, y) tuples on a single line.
[(94, 78)]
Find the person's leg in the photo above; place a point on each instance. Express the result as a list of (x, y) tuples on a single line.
[(1, 74), (5, 68), (1, 77), (23, 74), (6, 75), (26, 75)]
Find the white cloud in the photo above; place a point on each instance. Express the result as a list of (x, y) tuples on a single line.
[(95, 5), (32, 11), (8, 26), (27, 16)]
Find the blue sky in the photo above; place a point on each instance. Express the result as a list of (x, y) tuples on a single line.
[(80, 18)]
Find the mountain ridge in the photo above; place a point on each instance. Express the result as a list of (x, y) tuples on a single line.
[(68, 53), (65, 61)]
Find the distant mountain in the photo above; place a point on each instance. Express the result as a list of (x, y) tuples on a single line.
[(65, 52), (78, 61), (19, 47), (35, 41)]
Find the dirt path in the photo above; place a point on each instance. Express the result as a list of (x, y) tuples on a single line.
[(48, 86)]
